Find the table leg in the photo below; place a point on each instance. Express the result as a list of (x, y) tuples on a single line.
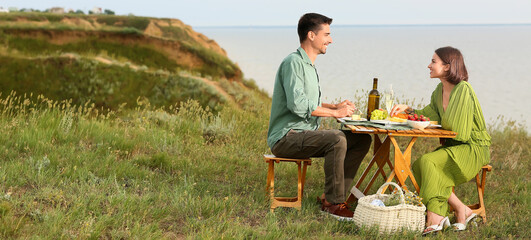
[(381, 157), (403, 163)]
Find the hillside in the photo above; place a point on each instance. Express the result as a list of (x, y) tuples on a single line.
[(140, 128), (112, 60)]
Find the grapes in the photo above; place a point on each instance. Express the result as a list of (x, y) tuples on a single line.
[(378, 114)]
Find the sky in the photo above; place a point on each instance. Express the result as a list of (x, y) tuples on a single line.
[(206, 13)]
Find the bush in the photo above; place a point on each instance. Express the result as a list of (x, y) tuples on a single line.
[(107, 86), (215, 130), (159, 161)]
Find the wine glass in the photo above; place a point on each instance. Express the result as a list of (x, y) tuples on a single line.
[(357, 115), (389, 99)]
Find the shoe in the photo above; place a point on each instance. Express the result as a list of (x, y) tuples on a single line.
[(320, 200), (461, 227), (338, 211), (445, 222)]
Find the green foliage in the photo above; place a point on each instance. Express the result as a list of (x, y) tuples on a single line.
[(151, 152), (139, 23), (243, 96), (131, 31), (108, 11), (215, 64), (141, 55), (157, 161), (216, 130), (32, 16), (136, 48), (107, 86), (5, 208), (152, 173)]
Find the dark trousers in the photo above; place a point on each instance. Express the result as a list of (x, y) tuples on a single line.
[(343, 152)]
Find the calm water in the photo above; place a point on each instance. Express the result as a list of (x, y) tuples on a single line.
[(497, 58)]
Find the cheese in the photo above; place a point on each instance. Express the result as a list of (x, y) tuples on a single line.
[(397, 119)]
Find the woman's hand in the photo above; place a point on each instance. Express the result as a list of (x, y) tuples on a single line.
[(398, 108)]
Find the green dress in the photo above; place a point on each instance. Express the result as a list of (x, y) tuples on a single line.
[(460, 158)]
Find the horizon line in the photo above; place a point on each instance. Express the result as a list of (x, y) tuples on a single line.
[(369, 25)]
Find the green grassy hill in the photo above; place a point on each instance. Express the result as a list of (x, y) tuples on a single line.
[(112, 60), (116, 127)]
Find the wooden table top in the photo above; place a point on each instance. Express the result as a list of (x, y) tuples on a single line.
[(427, 132)]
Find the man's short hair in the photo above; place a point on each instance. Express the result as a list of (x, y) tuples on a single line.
[(311, 22)]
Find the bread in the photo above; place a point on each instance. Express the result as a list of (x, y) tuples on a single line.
[(401, 115)]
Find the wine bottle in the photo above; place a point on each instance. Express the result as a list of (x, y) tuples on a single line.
[(374, 99)]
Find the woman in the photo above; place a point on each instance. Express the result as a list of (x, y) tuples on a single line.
[(455, 105)]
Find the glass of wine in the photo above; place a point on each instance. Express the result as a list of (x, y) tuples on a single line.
[(357, 115), (389, 99)]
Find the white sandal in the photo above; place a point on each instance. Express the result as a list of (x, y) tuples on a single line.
[(445, 222), (462, 227)]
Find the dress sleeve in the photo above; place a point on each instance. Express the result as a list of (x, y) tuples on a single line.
[(430, 110), (460, 112), (297, 101)]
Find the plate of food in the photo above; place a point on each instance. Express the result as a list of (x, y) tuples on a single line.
[(434, 124), (418, 124), (388, 122), (380, 116), (353, 119)]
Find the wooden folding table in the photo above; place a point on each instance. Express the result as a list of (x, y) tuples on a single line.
[(401, 169)]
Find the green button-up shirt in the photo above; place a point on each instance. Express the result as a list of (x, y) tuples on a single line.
[(295, 96)]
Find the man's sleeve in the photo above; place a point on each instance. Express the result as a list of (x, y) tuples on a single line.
[(293, 82)]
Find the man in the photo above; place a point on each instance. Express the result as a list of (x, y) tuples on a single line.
[(295, 117)]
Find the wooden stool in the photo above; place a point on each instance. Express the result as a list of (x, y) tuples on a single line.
[(270, 188), (479, 208)]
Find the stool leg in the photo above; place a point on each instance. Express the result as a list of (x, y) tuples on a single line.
[(270, 187), (481, 191), (305, 165), (299, 186)]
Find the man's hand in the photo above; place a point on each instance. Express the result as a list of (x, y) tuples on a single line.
[(344, 111), (345, 103)]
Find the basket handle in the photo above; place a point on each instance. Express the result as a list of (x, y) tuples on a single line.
[(402, 197)]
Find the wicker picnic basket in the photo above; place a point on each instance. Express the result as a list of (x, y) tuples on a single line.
[(389, 219)]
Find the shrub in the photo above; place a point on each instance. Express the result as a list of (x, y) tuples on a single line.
[(215, 130), (158, 161)]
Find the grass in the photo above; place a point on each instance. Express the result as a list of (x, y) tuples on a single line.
[(137, 22), (107, 86), (69, 172), (212, 63), (215, 64), (137, 54), (149, 153), (123, 38)]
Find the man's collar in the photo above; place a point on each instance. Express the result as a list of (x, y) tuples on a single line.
[(304, 55)]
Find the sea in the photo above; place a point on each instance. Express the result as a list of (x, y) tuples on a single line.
[(497, 57)]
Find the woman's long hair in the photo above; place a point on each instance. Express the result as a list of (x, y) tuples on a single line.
[(454, 58)]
